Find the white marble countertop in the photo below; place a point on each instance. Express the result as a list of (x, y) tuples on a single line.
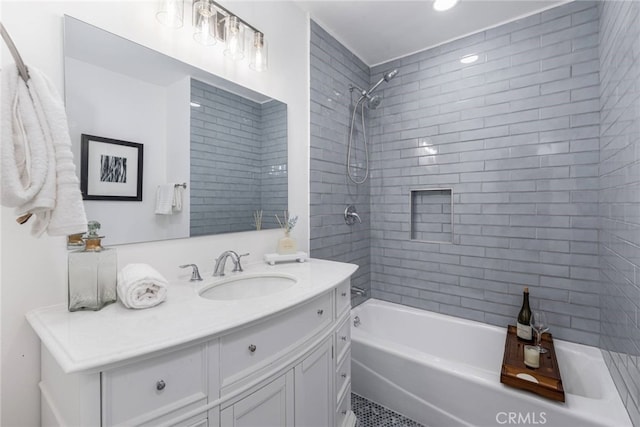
[(89, 341)]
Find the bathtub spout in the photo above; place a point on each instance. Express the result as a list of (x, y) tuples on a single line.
[(360, 292)]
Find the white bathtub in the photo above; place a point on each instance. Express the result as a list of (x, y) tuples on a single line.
[(445, 371)]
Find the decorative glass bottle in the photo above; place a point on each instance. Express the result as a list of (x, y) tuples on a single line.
[(92, 273), (287, 244)]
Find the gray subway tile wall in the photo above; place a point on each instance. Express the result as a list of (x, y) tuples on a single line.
[(522, 158), (273, 163), (540, 142), (619, 196), (238, 161), (225, 160), (333, 69)]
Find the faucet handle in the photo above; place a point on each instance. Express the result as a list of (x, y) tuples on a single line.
[(237, 266), (195, 274)]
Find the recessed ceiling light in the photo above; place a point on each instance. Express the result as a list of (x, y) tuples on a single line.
[(442, 5), (468, 59)]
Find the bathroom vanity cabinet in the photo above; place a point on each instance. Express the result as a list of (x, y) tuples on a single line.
[(287, 368)]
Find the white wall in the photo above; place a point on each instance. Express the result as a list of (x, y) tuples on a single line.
[(34, 270), (99, 110), (178, 169)]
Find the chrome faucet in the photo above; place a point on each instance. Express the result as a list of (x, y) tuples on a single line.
[(218, 270), (195, 274)]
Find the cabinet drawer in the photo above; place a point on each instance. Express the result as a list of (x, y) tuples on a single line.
[(261, 344), (344, 407), (343, 376), (343, 297), (150, 388), (343, 337)]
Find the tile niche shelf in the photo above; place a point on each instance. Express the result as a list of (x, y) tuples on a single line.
[(432, 215)]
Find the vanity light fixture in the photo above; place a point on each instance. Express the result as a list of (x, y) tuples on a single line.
[(204, 22), (171, 13), (442, 5), (258, 52), (212, 23)]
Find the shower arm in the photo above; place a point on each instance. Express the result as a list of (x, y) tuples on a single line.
[(362, 91), (375, 86)]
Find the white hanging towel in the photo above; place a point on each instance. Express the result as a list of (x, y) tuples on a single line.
[(36, 163), (141, 286), (177, 198), (164, 199)]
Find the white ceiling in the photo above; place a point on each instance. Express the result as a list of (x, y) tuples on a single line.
[(378, 31)]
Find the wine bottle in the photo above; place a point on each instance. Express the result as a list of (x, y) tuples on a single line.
[(524, 318)]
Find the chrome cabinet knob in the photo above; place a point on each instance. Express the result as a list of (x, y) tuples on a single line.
[(344, 294), (320, 312), (252, 348), (343, 375), (344, 412), (343, 338), (160, 385)]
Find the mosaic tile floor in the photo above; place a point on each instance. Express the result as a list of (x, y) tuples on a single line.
[(370, 414)]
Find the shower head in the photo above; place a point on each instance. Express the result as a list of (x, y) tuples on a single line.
[(390, 74), (385, 78)]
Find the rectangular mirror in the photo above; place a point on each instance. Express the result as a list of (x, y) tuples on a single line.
[(227, 143)]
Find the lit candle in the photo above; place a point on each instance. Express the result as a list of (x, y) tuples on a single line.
[(531, 356)]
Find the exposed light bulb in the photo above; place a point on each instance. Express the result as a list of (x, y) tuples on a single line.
[(258, 53), (235, 38), (442, 5), (258, 65)]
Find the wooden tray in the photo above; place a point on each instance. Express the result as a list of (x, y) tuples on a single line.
[(549, 383)]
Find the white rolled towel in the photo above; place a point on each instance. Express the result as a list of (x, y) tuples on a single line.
[(141, 286)]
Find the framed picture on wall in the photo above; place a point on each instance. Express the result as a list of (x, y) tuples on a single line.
[(110, 169)]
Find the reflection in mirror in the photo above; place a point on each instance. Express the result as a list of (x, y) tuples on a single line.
[(238, 161), (227, 142)]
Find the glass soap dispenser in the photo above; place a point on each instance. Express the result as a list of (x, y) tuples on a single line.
[(92, 273)]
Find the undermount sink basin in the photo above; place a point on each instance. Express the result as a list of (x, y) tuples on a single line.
[(247, 286)]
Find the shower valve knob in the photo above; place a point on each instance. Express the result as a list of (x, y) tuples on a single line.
[(351, 215)]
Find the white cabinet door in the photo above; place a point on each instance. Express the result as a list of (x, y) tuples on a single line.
[(315, 404), (269, 406)]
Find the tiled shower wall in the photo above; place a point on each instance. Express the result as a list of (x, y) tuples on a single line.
[(620, 196), (273, 163), (333, 69), (225, 160), (515, 135), (238, 161)]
